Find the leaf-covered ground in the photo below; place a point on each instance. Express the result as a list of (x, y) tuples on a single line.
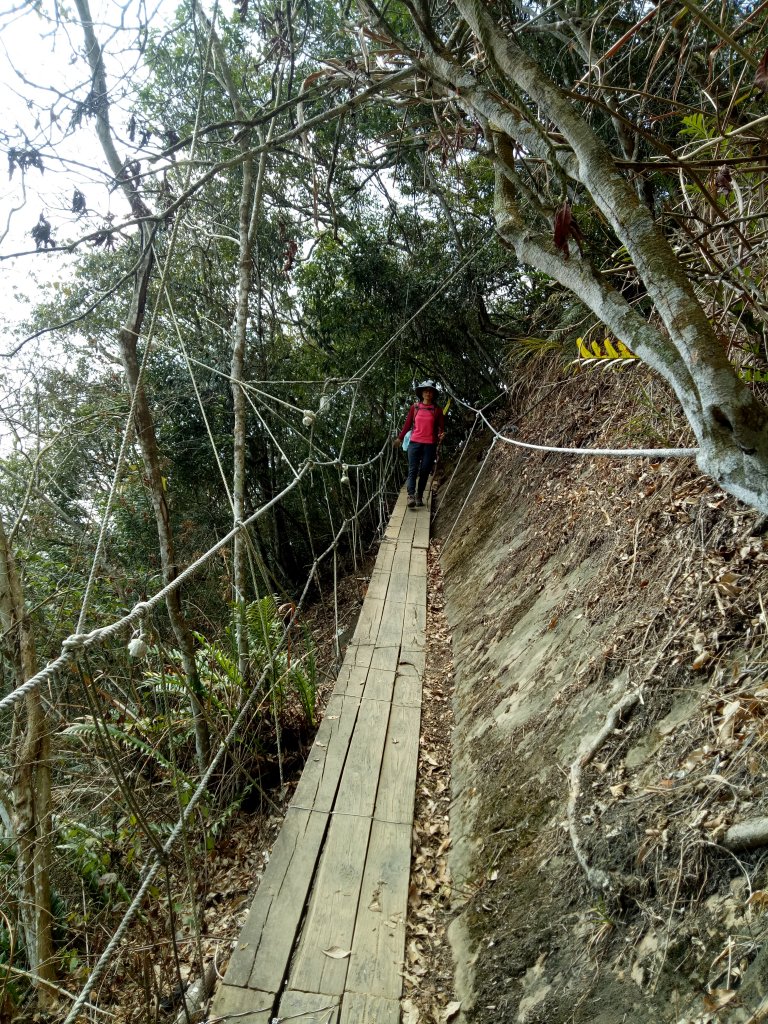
[(428, 974)]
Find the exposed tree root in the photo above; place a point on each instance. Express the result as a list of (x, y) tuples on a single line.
[(746, 835), (597, 878), (196, 995)]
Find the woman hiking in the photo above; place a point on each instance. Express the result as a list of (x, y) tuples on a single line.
[(426, 422)]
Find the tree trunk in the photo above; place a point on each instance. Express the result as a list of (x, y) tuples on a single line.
[(147, 438), (249, 211), (729, 422), (145, 427), (30, 803)]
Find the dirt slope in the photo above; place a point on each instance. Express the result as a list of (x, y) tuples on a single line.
[(572, 585)]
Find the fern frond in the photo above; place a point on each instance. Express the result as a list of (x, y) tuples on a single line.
[(89, 729)]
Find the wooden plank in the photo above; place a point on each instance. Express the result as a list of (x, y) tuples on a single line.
[(410, 657), (408, 685), (421, 531), (386, 554), (322, 771), (380, 684), (406, 539), (386, 658), (414, 628), (246, 1005), (309, 1007), (367, 627), (422, 528), (379, 582), (397, 781), (360, 779), (417, 590), (378, 945), (362, 1009), (264, 948), (401, 563), (392, 531), (399, 508), (397, 591), (418, 564), (360, 654), (357, 656), (363, 763), (390, 631), (351, 681), (330, 921)]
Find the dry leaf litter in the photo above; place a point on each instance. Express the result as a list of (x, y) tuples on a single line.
[(428, 974)]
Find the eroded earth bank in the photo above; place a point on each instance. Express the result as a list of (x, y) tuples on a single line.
[(598, 875)]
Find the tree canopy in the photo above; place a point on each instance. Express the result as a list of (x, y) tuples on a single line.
[(262, 224)]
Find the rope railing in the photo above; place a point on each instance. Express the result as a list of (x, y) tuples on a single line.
[(158, 859), (659, 453), (74, 647), (77, 641)]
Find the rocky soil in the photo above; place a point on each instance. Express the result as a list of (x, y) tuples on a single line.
[(611, 707)]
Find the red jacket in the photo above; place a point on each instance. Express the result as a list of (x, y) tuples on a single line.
[(426, 423)]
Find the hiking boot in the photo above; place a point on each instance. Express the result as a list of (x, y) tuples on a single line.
[(419, 503), (411, 501)]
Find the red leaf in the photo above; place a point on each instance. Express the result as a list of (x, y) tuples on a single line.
[(565, 228), (290, 255), (723, 179), (563, 219)]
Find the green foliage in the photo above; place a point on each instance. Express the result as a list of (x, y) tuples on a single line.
[(131, 738), (522, 349), (286, 661), (88, 851), (12, 988), (698, 127)]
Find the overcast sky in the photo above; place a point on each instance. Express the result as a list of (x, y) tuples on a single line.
[(43, 73)]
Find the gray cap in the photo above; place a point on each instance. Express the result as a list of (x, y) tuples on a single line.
[(427, 384)]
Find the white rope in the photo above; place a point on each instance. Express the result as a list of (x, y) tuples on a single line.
[(152, 869), (349, 420), (444, 493), (310, 441), (369, 364), (649, 453), (201, 406), (150, 335), (127, 430), (331, 547), (386, 447), (266, 427), (76, 641)]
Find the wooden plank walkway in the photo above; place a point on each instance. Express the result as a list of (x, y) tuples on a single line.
[(324, 940)]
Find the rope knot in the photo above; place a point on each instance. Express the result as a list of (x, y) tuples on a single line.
[(137, 646), (73, 642)]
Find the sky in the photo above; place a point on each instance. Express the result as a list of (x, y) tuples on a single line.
[(43, 73)]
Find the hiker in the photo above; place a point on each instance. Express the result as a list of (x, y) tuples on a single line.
[(426, 423)]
